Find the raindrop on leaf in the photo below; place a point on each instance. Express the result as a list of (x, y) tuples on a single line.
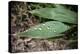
[(48, 28), (35, 28), (43, 24), (40, 29), (54, 31)]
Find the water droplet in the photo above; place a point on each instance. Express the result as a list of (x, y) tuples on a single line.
[(26, 30), (43, 24), (54, 31), (40, 29), (35, 28), (48, 28)]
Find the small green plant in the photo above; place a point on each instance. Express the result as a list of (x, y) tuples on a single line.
[(62, 20)]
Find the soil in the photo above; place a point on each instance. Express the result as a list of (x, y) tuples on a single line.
[(32, 45)]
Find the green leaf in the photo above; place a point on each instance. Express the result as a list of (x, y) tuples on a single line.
[(59, 6), (60, 14), (45, 30)]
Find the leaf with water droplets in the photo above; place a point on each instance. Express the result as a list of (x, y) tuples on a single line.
[(60, 14), (46, 30)]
